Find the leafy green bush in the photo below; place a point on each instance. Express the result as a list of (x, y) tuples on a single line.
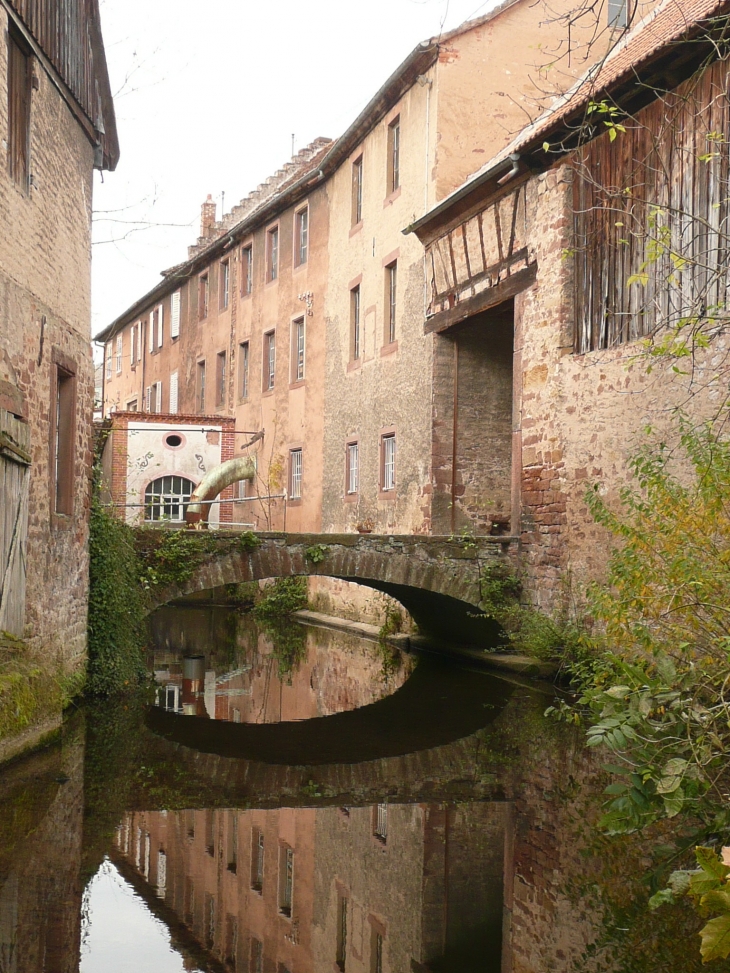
[(282, 597), (116, 607)]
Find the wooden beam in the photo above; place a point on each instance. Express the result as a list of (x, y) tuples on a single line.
[(482, 301)]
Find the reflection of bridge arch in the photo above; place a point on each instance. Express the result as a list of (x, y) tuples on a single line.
[(437, 579), (420, 737)]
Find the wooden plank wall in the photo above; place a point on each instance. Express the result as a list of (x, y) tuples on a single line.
[(14, 482), (654, 201)]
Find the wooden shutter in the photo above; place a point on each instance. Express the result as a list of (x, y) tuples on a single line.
[(175, 315), (19, 80), (160, 319), (173, 392), (14, 482)]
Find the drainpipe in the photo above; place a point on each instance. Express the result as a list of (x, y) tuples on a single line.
[(215, 482)]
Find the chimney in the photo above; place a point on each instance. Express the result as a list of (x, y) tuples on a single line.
[(207, 217)]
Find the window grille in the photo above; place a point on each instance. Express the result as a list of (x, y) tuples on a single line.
[(167, 498)]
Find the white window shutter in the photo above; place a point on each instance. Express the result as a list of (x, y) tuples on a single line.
[(139, 341), (173, 392), (175, 315), (152, 331), (160, 316), (158, 397), (148, 399), (132, 344)]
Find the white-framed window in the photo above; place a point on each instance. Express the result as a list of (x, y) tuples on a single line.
[(153, 397), (301, 235), (173, 392), (272, 253), (618, 13), (357, 191), (224, 284), (246, 269), (120, 345), (167, 497), (295, 474), (160, 320), (243, 363), (391, 288), (388, 461), (108, 351), (297, 350), (355, 341), (133, 345), (353, 467), (394, 155), (175, 315)]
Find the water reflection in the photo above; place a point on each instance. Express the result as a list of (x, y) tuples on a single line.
[(241, 672), (387, 887), (122, 850)]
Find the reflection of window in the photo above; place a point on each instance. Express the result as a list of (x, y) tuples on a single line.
[(376, 963), (341, 931), (167, 497), (257, 859), (209, 920), (233, 840), (231, 939), (210, 832), (257, 956), (161, 874), (286, 879), (380, 825)]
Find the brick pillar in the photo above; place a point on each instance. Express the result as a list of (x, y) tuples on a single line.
[(119, 449), (228, 451)]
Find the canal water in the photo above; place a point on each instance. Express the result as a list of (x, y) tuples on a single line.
[(290, 799)]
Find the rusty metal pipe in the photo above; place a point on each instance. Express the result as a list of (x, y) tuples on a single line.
[(215, 482)]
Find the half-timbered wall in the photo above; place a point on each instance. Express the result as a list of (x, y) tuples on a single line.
[(479, 252), (651, 217)]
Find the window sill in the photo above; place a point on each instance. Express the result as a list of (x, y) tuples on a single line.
[(267, 392), (299, 268), (62, 521), (351, 497), (297, 385), (246, 296), (356, 228), (273, 282), (387, 495), (389, 200), (390, 349), (291, 502), (352, 366)]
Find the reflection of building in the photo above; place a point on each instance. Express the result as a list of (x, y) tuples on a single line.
[(151, 464), (359, 889)]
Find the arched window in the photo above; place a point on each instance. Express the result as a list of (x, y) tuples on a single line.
[(167, 497)]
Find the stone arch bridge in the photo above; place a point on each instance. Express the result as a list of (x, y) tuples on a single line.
[(438, 579)]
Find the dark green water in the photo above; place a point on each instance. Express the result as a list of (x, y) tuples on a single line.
[(287, 800)]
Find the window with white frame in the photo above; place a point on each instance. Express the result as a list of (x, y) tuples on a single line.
[(297, 350), (167, 497), (108, 351), (394, 155), (272, 253), (243, 363), (353, 467), (295, 474), (119, 354), (388, 462), (133, 345), (224, 284), (301, 235), (357, 191), (269, 360), (246, 270), (391, 285), (619, 13), (355, 341), (175, 315)]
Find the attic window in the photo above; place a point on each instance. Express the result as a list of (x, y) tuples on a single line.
[(19, 89)]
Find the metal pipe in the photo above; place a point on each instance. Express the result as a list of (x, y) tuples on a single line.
[(215, 481)]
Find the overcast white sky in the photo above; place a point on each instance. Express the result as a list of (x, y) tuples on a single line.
[(207, 98)]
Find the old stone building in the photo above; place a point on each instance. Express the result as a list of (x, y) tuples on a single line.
[(57, 123), (538, 301)]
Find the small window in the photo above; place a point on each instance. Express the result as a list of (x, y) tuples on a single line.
[(223, 284), (203, 293), (175, 315), (63, 445), (387, 477), (210, 832), (355, 337), (108, 353), (376, 950), (380, 822), (246, 270), (297, 350), (301, 235), (618, 13), (357, 191), (243, 362), (391, 292), (119, 353), (352, 473), (231, 940), (173, 440), (19, 101), (167, 497), (156, 397), (132, 405), (133, 345), (341, 955), (257, 859), (272, 253), (269, 360), (394, 155), (286, 880), (257, 956), (233, 840), (295, 474), (209, 920), (220, 379), (201, 387)]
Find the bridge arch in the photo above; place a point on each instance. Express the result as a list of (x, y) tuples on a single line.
[(437, 579)]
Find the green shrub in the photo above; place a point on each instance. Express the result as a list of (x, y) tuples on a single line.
[(282, 597)]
